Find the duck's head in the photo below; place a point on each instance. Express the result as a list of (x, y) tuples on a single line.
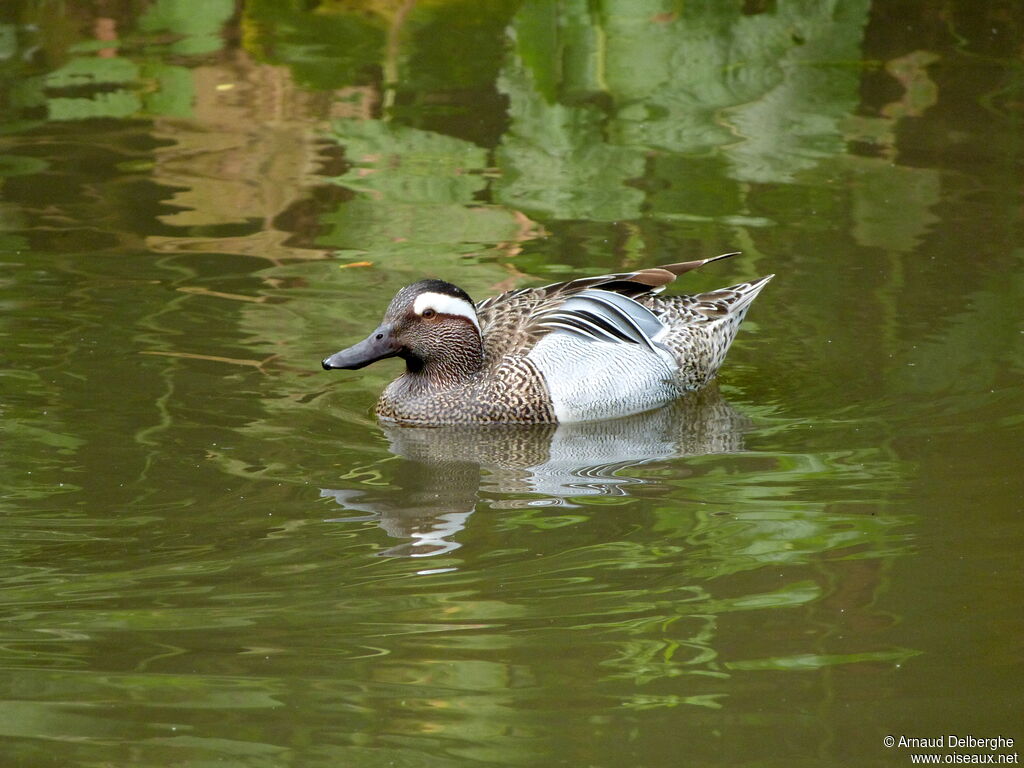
[(432, 325)]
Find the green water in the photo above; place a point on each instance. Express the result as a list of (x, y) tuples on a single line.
[(211, 552)]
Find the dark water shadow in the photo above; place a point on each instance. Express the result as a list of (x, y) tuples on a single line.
[(445, 469)]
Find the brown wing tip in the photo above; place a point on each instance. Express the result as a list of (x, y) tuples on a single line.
[(688, 266), (655, 277)]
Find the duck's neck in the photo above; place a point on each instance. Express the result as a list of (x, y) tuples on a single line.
[(458, 365)]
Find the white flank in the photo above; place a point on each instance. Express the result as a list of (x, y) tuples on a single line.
[(444, 304), (590, 380)]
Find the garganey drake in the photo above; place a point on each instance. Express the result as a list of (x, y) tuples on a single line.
[(582, 350)]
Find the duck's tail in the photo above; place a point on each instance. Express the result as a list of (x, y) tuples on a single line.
[(702, 327), (731, 301), (726, 308)]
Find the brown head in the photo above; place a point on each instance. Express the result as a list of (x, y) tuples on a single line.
[(432, 325)]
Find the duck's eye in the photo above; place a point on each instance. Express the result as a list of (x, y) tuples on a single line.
[(428, 313)]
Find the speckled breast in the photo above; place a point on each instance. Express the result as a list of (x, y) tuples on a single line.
[(512, 392)]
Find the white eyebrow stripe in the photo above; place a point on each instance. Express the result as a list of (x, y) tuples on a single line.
[(444, 304)]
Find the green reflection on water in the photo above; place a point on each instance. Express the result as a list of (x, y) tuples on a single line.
[(95, 83), (593, 94)]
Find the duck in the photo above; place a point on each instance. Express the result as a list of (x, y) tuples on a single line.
[(582, 350)]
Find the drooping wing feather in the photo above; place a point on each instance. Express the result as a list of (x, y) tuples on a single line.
[(598, 315), (513, 321)]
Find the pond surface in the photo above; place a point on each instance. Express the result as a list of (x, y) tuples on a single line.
[(212, 553)]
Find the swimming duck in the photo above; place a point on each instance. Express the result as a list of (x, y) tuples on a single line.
[(586, 349)]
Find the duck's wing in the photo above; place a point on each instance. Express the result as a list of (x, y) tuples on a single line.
[(602, 308)]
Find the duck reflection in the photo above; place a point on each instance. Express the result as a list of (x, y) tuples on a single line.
[(440, 481)]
